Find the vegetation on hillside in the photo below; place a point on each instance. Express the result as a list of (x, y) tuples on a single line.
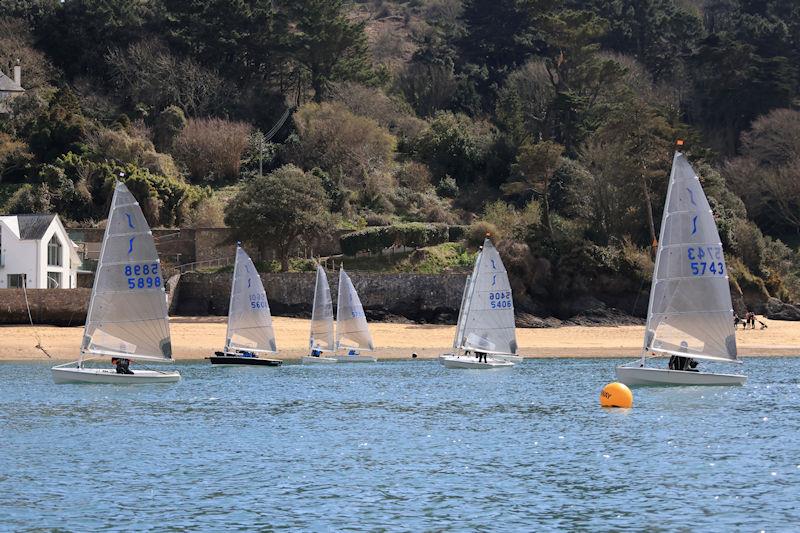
[(550, 124)]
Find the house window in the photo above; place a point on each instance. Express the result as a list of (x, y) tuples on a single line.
[(54, 280), (54, 252), (15, 281)]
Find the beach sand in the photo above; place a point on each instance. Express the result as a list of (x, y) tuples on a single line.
[(198, 337)]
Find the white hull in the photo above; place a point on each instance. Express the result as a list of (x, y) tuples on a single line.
[(471, 362), (643, 376), (510, 358), (311, 360), (62, 374), (356, 358)]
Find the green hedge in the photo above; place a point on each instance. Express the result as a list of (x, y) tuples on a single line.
[(412, 235)]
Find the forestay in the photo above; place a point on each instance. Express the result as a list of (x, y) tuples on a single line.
[(352, 330), (690, 309), (128, 308), (249, 319), (322, 314), (489, 318)]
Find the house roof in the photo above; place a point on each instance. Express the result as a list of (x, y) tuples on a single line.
[(32, 227), (9, 85)]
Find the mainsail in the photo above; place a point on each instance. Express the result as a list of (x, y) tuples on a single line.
[(322, 314), (249, 319), (690, 311), (128, 309), (352, 330), (489, 318)]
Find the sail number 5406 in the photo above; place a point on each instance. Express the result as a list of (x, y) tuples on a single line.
[(143, 276), (500, 300)]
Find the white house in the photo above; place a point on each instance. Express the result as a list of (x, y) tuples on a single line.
[(10, 88), (36, 249)]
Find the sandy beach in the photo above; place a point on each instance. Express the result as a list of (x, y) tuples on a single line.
[(198, 337)]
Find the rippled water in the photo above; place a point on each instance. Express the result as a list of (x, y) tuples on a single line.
[(399, 446)]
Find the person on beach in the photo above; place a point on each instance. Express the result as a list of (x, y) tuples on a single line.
[(122, 365), (736, 320)]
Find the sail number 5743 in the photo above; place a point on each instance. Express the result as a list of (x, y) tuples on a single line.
[(706, 260)]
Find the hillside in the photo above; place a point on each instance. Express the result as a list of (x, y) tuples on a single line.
[(549, 124)]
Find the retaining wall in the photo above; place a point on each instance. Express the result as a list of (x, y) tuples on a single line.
[(60, 307)]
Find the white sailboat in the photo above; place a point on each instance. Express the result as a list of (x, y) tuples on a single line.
[(250, 330), (486, 318), (352, 330), (127, 316), (321, 338), (690, 315)]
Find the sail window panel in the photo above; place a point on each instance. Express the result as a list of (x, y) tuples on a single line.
[(686, 334), (135, 318), (692, 296)]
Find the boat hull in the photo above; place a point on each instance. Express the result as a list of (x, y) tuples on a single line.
[(356, 358), (660, 377), (311, 360), (102, 375), (511, 358), (251, 361), (472, 363)]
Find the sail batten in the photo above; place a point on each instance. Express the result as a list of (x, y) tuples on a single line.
[(128, 307), (690, 311), (321, 337), (352, 330), (489, 316), (249, 318)]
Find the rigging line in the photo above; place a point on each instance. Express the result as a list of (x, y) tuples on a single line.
[(30, 318)]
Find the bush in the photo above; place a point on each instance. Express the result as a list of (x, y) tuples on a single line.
[(377, 239), (211, 149), (437, 259), (447, 187), (478, 231)]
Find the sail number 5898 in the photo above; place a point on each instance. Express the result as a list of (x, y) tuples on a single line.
[(144, 276)]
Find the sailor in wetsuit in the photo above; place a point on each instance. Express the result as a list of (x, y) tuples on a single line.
[(122, 365)]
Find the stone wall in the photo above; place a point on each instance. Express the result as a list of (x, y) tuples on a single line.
[(60, 307), (430, 298)]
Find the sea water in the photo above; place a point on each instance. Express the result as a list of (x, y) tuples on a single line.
[(405, 445)]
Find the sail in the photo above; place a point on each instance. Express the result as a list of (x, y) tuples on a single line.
[(322, 314), (460, 323), (249, 319), (489, 318), (128, 309), (352, 330), (690, 309)]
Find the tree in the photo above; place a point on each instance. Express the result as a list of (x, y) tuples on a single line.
[(536, 164), (279, 209), (169, 124), (211, 149), (328, 44)]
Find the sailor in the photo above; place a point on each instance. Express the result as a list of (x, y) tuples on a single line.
[(481, 357), (122, 365), (316, 352)]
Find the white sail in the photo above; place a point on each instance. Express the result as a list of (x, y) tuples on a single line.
[(128, 309), (322, 314), (690, 309), (489, 318), (460, 324), (352, 330), (249, 319)]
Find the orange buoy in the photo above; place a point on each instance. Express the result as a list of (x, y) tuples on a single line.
[(616, 395)]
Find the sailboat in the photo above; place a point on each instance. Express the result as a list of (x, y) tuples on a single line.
[(486, 318), (690, 315), (127, 315), (352, 330), (321, 337), (249, 321)]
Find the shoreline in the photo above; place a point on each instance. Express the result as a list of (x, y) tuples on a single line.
[(194, 338)]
